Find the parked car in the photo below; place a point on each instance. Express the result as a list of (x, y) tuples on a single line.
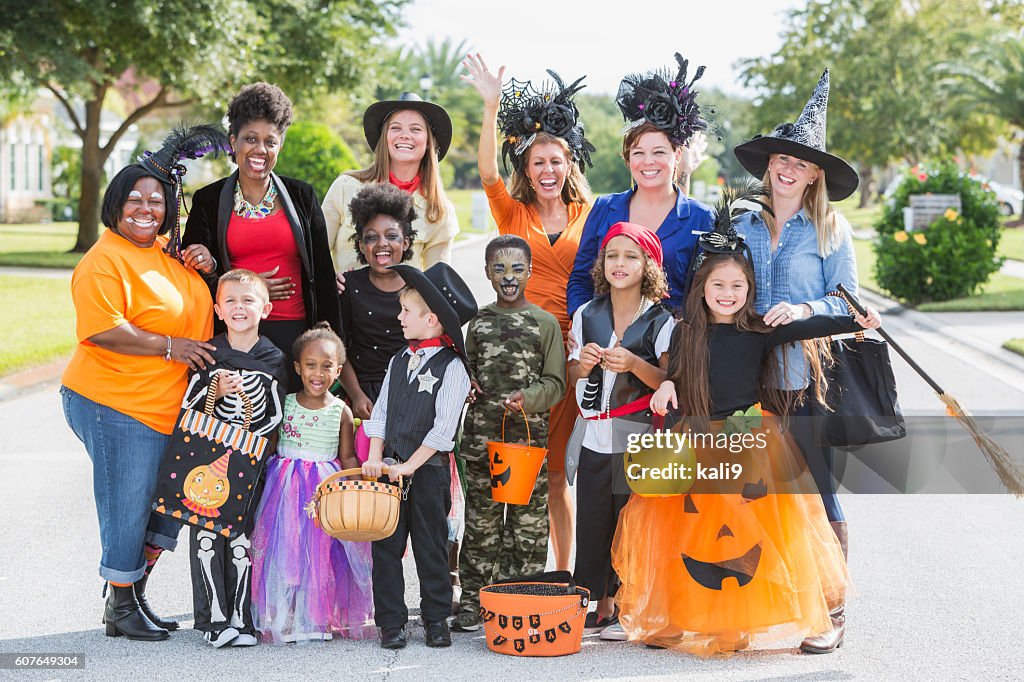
[(1010, 199)]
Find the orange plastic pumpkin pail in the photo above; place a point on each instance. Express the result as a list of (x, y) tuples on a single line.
[(514, 467)]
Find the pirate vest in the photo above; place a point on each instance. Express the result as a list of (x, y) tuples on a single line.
[(639, 339), (411, 411)]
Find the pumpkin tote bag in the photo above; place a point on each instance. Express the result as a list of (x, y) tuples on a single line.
[(210, 469)]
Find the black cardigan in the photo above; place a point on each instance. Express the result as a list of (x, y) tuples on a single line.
[(208, 223)]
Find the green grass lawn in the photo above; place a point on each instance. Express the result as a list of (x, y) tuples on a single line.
[(1001, 292), (463, 200), (1016, 345), (1011, 243), (860, 218), (39, 321), (38, 244)]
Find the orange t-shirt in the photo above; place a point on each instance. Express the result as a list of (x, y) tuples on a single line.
[(551, 263), (115, 283)]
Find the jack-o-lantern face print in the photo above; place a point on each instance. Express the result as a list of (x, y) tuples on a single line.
[(205, 490), (738, 563)]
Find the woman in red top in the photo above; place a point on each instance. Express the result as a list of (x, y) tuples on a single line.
[(257, 220)]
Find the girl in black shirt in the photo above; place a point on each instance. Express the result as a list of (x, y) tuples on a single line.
[(754, 558)]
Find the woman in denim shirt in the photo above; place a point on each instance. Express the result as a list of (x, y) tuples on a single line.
[(800, 254)]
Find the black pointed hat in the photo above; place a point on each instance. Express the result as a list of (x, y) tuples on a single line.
[(446, 294), (805, 140), (437, 117)]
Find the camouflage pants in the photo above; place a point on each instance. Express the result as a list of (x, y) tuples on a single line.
[(501, 541)]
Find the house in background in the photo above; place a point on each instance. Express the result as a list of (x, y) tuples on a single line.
[(27, 142)]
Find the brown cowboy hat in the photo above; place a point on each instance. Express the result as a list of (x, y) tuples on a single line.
[(437, 117)]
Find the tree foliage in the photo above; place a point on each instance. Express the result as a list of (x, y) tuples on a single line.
[(178, 52), (316, 154), (885, 103)]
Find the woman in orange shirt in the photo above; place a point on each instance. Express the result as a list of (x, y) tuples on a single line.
[(546, 203), (142, 317)]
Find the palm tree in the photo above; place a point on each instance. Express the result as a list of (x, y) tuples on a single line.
[(992, 78)]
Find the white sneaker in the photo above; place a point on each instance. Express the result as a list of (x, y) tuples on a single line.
[(219, 639), (244, 639), (614, 633)]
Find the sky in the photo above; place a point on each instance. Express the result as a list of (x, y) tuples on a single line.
[(602, 38)]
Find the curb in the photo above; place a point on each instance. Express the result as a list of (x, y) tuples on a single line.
[(929, 322), (32, 380)]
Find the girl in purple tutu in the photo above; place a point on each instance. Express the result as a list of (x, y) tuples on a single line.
[(307, 585)]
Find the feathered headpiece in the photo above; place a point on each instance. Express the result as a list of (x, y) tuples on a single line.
[(184, 142), (664, 99), (525, 111)]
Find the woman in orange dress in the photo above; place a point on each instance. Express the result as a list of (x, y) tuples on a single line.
[(546, 202)]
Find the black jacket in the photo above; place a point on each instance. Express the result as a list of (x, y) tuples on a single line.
[(208, 224)]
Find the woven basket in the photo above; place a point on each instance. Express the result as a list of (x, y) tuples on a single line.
[(534, 618), (357, 511)]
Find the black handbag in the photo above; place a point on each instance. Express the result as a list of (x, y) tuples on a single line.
[(861, 394)]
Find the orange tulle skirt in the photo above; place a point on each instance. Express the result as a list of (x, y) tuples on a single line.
[(711, 573)]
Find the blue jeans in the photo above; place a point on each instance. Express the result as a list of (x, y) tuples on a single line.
[(819, 459), (126, 456)]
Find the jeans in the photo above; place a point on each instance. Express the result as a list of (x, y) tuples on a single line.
[(126, 456), (819, 458)]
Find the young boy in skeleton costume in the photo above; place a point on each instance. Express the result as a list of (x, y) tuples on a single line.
[(245, 363)]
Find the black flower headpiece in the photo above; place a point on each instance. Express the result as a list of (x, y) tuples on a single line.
[(184, 142), (525, 111), (664, 99)]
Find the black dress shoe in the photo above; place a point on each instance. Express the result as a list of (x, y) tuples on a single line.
[(122, 616), (392, 638), (437, 634)]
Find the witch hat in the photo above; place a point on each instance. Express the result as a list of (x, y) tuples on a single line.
[(805, 140)]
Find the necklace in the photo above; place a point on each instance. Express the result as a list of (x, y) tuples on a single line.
[(644, 305), (243, 209)]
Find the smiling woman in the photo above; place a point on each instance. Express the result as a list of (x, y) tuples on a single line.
[(257, 220)]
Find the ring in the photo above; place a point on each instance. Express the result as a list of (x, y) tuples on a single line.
[(199, 259)]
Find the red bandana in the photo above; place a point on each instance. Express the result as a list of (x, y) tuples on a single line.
[(645, 239), (443, 340), (409, 187)]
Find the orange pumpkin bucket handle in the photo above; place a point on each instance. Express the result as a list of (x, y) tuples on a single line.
[(514, 467)]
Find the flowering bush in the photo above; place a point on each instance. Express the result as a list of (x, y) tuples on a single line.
[(954, 255)]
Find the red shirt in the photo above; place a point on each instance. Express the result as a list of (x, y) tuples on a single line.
[(262, 244)]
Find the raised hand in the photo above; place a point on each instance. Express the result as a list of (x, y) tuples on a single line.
[(481, 78)]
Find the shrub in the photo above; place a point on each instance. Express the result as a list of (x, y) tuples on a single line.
[(954, 255), (314, 153)]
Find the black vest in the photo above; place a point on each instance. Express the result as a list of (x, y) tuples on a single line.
[(411, 412), (639, 339)]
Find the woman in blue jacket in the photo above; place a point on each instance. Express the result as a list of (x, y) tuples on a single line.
[(662, 117)]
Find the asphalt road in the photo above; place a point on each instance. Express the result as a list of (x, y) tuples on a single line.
[(937, 576)]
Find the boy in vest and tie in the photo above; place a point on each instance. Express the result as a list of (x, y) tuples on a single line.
[(414, 422)]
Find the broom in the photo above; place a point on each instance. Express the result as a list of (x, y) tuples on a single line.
[(1008, 470)]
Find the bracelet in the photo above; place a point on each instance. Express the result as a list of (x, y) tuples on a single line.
[(215, 264), (167, 353)]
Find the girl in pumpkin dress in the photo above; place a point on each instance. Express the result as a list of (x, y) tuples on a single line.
[(306, 585), (752, 560)]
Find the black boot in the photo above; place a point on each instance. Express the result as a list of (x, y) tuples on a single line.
[(140, 594), (123, 616)]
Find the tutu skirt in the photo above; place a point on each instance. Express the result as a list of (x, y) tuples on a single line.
[(306, 584), (714, 573)]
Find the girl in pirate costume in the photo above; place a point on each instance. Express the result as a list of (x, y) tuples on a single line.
[(620, 357), (754, 558)]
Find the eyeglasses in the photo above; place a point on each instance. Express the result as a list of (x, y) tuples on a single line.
[(370, 238)]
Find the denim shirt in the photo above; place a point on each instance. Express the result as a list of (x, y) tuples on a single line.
[(795, 273)]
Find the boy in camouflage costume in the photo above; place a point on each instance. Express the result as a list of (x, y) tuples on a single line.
[(516, 355)]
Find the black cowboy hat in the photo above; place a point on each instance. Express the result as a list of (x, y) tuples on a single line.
[(805, 140), (447, 296), (437, 117)]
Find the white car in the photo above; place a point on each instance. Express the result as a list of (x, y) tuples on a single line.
[(1010, 199)]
